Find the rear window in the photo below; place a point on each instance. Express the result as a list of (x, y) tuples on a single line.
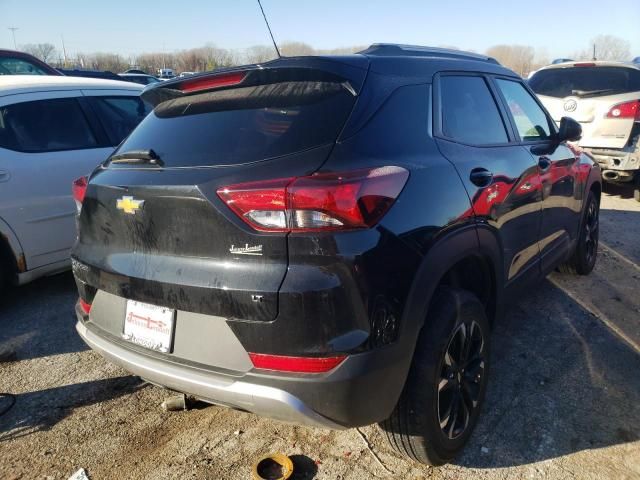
[(18, 66), (243, 125), (585, 81), (45, 126)]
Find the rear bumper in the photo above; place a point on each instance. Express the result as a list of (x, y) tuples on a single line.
[(362, 390), (207, 386), (620, 161)]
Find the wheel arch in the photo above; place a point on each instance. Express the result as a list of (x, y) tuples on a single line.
[(10, 249), (475, 243), (471, 241), (471, 244), (596, 188), (594, 181)]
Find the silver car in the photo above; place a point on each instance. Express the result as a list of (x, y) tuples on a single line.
[(53, 129), (605, 98)]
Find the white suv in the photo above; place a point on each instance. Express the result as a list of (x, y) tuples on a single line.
[(53, 129), (605, 98)]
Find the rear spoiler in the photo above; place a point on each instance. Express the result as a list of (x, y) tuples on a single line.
[(350, 71)]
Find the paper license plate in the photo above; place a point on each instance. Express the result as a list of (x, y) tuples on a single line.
[(149, 326)]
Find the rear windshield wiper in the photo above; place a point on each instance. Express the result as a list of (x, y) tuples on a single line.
[(137, 156)]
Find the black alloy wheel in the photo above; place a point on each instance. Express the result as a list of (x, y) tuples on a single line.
[(591, 226), (462, 374)]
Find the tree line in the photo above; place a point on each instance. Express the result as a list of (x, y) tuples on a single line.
[(520, 58)]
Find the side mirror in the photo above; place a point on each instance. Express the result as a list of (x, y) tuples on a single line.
[(569, 130)]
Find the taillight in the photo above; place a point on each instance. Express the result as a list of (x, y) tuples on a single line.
[(211, 82), (584, 64), (325, 201), (84, 306), (283, 363), (79, 188), (626, 110)]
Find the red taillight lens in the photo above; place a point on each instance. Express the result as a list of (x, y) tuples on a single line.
[(584, 64), (208, 83), (326, 201), (261, 204), (86, 307), (79, 188), (625, 110), (295, 364)]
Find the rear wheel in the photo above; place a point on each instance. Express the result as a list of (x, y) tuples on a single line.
[(445, 389), (7, 269), (584, 256), (4, 275)]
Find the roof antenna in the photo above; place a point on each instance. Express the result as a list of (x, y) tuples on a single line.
[(269, 28)]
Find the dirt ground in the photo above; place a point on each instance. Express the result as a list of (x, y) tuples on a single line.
[(563, 400)]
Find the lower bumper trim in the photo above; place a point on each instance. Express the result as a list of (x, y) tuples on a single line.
[(259, 399)]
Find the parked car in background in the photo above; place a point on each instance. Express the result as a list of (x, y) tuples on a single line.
[(20, 63), (605, 98), (166, 73), (332, 248), (52, 130), (81, 72), (141, 78), (561, 60), (135, 70)]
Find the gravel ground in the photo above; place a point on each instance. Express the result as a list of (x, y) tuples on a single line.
[(563, 401)]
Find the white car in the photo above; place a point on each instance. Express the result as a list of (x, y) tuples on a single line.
[(141, 78), (166, 73), (605, 98), (53, 129)]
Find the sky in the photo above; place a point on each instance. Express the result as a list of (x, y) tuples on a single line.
[(135, 26)]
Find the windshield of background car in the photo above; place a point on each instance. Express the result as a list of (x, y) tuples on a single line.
[(18, 66), (585, 81), (242, 125)]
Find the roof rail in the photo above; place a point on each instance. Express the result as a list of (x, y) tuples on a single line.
[(397, 50)]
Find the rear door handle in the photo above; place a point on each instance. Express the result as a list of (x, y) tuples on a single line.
[(481, 177), (4, 176), (544, 164)]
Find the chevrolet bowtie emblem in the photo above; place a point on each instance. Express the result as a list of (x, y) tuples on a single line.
[(129, 205)]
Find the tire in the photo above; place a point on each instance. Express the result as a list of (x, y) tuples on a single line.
[(6, 273), (4, 276), (419, 426), (585, 254)]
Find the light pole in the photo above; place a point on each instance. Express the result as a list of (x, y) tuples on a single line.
[(13, 32)]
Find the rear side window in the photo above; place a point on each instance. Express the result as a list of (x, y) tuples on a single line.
[(18, 66), (531, 121), (243, 125), (45, 126), (469, 112), (585, 81), (120, 115)]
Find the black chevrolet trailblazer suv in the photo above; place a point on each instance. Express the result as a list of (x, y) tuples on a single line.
[(329, 240)]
